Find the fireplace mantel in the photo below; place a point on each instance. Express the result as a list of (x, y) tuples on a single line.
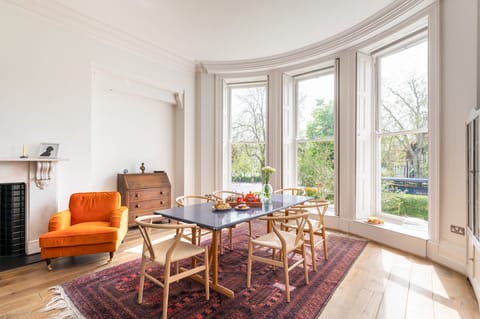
[(40, 176), (43, 171)]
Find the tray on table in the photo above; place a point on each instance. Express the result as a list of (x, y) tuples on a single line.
[(250, 204)]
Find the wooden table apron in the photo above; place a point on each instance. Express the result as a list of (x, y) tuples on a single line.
[(206, 217)]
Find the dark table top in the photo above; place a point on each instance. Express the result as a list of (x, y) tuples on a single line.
[(204, 215)]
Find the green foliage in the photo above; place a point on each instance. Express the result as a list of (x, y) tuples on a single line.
[(247, 162), (316, 165), (322, 125), (316, 158), (400, 204)]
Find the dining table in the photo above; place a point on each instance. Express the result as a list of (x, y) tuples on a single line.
[(205, 215)]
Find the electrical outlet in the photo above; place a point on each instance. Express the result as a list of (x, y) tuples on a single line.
[(457, 230)]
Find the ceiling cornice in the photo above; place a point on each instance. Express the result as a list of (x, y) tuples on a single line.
[(59, 13), (377, 23)]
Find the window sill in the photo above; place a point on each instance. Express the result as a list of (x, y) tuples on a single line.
[(393, 235), (409, 227)]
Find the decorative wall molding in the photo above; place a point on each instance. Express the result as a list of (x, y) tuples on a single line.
[(108, 80), (42, 176), (379, 22), (59, 13)]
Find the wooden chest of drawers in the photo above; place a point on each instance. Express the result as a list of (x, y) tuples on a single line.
[(144, 193)]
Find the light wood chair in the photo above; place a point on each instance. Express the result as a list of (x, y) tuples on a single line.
[(287, 243), (167, 252), (290, 191), (313, 227), (224, 195), (186, 200)]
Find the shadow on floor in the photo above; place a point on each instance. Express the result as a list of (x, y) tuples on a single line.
[(9, 262)]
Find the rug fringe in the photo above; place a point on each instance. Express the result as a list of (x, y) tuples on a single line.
[(63, 306)]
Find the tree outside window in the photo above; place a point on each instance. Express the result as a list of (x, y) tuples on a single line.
[(403, 131), (315, 134), (247, 134)]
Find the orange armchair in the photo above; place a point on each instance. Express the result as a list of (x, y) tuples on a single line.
[(94, 223)]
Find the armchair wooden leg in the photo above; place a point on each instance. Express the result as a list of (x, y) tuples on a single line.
[(49, 264), (111, 256)]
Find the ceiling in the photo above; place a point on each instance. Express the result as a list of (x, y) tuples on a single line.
[(224, 30)]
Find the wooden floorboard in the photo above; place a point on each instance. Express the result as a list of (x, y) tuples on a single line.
[(383, 283), (387, 283)]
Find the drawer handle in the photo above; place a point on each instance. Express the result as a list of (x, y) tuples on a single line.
[(137, 206), (161, 192), (161, 202), (136, 194)]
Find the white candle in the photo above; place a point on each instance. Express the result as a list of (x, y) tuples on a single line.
[(23, 150)]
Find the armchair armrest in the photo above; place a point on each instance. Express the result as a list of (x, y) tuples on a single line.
[(60, 220), (119, 217)]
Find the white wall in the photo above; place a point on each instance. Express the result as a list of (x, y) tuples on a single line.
[(129, 127), (47, 94), (458, 72)]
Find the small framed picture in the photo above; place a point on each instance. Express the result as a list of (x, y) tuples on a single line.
[(49, 150)]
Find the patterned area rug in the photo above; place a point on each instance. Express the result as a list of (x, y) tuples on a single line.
[(112, 293)]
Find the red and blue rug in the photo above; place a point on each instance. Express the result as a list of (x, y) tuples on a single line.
[(112, 293)]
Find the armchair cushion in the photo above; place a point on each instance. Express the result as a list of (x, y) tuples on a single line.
[(94, 206), (88, 233)]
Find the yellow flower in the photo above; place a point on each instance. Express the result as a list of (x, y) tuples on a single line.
[(310, 191)]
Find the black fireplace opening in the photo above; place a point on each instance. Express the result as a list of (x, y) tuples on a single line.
[(13, 227), (12, 219)]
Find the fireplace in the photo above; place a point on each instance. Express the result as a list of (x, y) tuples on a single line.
[(38, 199), (12, 219)]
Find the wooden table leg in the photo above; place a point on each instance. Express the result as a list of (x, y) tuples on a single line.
[(214, 252), (214, 268), (194, 242)]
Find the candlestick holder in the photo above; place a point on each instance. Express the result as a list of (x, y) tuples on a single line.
[(24, 154)]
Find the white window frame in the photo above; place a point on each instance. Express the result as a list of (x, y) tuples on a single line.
[(226, 182), (290, 124), (427, 20), (297, 140)]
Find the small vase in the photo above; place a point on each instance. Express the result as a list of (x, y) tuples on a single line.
[(267, 192)]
